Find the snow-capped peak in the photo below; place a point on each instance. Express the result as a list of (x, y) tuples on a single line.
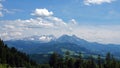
[(42, 38)]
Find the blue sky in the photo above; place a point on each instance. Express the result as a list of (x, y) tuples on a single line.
[(88, 19), (105, 13)]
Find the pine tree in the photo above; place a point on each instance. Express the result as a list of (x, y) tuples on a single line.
[(54, 60), (70, 63), (13, 58), (91, 62), (108, 61), (113, 62), (67, 57), (60, 63), (79, 62), (99, 61)]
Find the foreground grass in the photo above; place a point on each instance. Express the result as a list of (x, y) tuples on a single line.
[(4, 66)]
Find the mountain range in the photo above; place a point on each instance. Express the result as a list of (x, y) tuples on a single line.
[(47, 44), (42, 38)]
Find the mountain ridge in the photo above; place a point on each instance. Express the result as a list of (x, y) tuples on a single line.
[(64, 43), (41, 38)]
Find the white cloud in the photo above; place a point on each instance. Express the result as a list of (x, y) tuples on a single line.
[(73, 21), (11, 35), (38, 24), (15, 29), (89, 2), (102, 34), (9, 26), (42, 12), (56, 21), (12, 29), (45, 19), (1, 6)]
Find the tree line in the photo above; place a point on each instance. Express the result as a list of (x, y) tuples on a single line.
[(11, 57), (56, 61)]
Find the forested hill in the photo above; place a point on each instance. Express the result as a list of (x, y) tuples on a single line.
[(10, 57)]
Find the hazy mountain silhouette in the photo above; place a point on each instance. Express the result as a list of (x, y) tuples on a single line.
[(62, 44)]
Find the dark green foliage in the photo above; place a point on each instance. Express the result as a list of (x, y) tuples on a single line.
[(54, 60), (91, 62), (99, 62), (14, 58), (79, 62), (40, 58), (44, 66), (11, 57), (71, 62)]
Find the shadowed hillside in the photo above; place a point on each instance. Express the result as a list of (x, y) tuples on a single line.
[(10, 57)]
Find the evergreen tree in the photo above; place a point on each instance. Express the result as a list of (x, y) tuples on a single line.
[(113, 62), (91, 62), (70, 63), (60, 63), (108, 61), (99, 61), (67, 57), (13, 58), (79, 62), (54, 60)]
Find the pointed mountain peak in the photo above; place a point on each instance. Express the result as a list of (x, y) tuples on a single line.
[(70, 39)]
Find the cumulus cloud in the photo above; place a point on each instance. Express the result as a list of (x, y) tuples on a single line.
[(56, 21), (15, 29), (89, 2), (11, 35), (46, 19), (42, 12), (40, 24), (9, 26), (37, 23)]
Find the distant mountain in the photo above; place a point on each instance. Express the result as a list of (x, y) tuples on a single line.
[(48, 44), (71, 39), (42, 38)]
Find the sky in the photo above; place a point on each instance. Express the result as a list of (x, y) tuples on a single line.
[(92, 20)]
